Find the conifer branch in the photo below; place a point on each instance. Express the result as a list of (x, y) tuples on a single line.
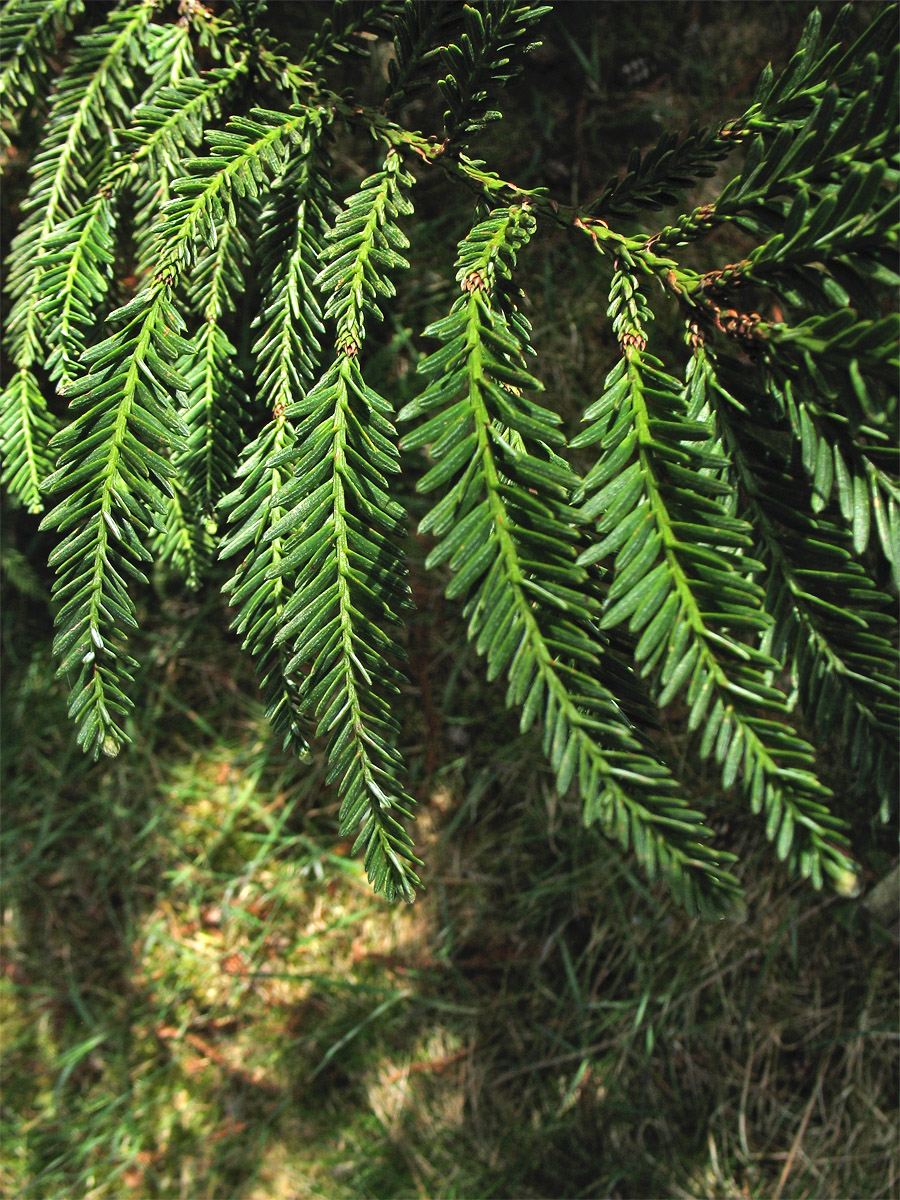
[(250, 151), (26, 427), (185, 541), (416, 31), (831, 623), (683, 580), (252, 511), (76, 284), (29, 32), (340, 33), (514, 559), (827, 109), (737, 526), (172, 119), (480, 61), (123, 418), (343, 550), (287, 354), (92, 94), (215, 397)]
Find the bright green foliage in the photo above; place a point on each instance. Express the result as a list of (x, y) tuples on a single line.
[(287, 353), (28, 35), (722, 535), (26, 427), (114, 479), (94, 92), (215, 399), (342, 539)]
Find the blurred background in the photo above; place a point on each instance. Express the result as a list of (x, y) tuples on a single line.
[(201, 998)]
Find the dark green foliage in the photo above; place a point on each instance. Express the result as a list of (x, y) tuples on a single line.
[(417, 32), (479, 62), (684, 581), (722, 536), (510, 536)]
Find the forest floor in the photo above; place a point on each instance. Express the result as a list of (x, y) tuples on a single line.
[(202, 999)]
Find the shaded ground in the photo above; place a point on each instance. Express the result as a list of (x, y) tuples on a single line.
[(202, 998)]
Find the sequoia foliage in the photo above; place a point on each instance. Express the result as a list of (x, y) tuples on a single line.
[(723, 533)]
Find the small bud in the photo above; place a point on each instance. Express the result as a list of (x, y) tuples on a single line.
[(846, 883), (111, 746)]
